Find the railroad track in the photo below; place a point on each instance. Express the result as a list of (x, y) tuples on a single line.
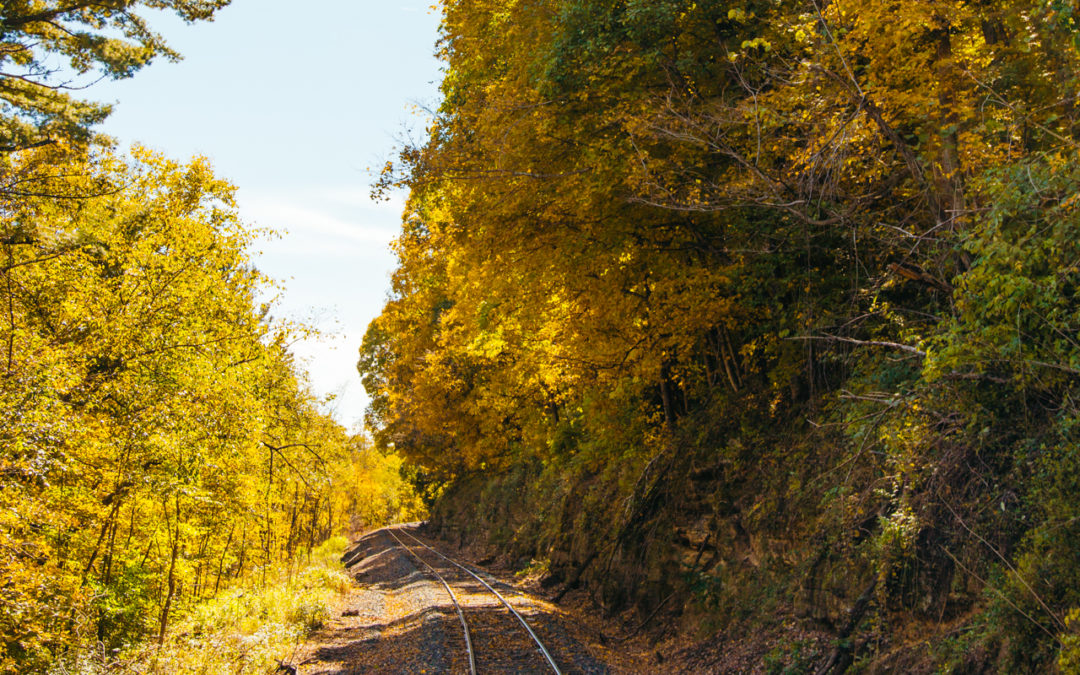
[(412, 550)]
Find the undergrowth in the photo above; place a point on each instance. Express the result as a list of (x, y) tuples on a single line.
[(247, 629)]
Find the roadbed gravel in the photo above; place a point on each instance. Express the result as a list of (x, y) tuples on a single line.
[(398, 618)]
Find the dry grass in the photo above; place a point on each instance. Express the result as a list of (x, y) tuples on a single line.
[(244, 630)]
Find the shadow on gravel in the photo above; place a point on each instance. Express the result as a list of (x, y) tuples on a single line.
[(431, 640), (373, 541), (414, 644), (376, 561), (386, 571)]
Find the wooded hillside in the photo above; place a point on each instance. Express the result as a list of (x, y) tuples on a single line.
[(767, 311)]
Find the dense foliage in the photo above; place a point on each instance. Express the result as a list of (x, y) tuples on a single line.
[(50, 49), (160, 453), (250, 628), (783, 293), (158, 442)]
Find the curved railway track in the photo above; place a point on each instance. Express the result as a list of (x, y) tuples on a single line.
[(543, 651), (453, 599)]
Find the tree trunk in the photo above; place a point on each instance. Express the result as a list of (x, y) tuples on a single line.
[(171, 583)]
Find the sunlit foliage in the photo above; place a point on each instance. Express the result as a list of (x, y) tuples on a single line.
[(798, 274), (52, 49), (158, 443)]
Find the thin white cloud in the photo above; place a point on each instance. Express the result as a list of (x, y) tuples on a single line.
[(359, 198), (299, 220), (333, 258)]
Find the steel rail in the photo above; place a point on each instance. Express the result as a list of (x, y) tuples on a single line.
[(453, 598), (539, 644)]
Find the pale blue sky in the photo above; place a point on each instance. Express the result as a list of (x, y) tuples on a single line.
[(294, 102)]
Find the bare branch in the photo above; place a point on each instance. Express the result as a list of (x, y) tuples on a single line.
[(864, 343)]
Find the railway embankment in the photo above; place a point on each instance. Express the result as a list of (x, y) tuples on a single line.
[(418, 607)]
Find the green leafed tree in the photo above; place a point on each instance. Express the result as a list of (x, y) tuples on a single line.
[(803, 270), (52, 49)]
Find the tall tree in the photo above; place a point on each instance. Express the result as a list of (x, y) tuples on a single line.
[(158, 441), (50, 49), (801, 269)]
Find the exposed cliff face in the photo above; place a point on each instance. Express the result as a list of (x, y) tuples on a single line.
[(728, 555)]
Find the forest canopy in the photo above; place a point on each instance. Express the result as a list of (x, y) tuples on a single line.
[(159, 445), (802, 273), (50, 50)]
